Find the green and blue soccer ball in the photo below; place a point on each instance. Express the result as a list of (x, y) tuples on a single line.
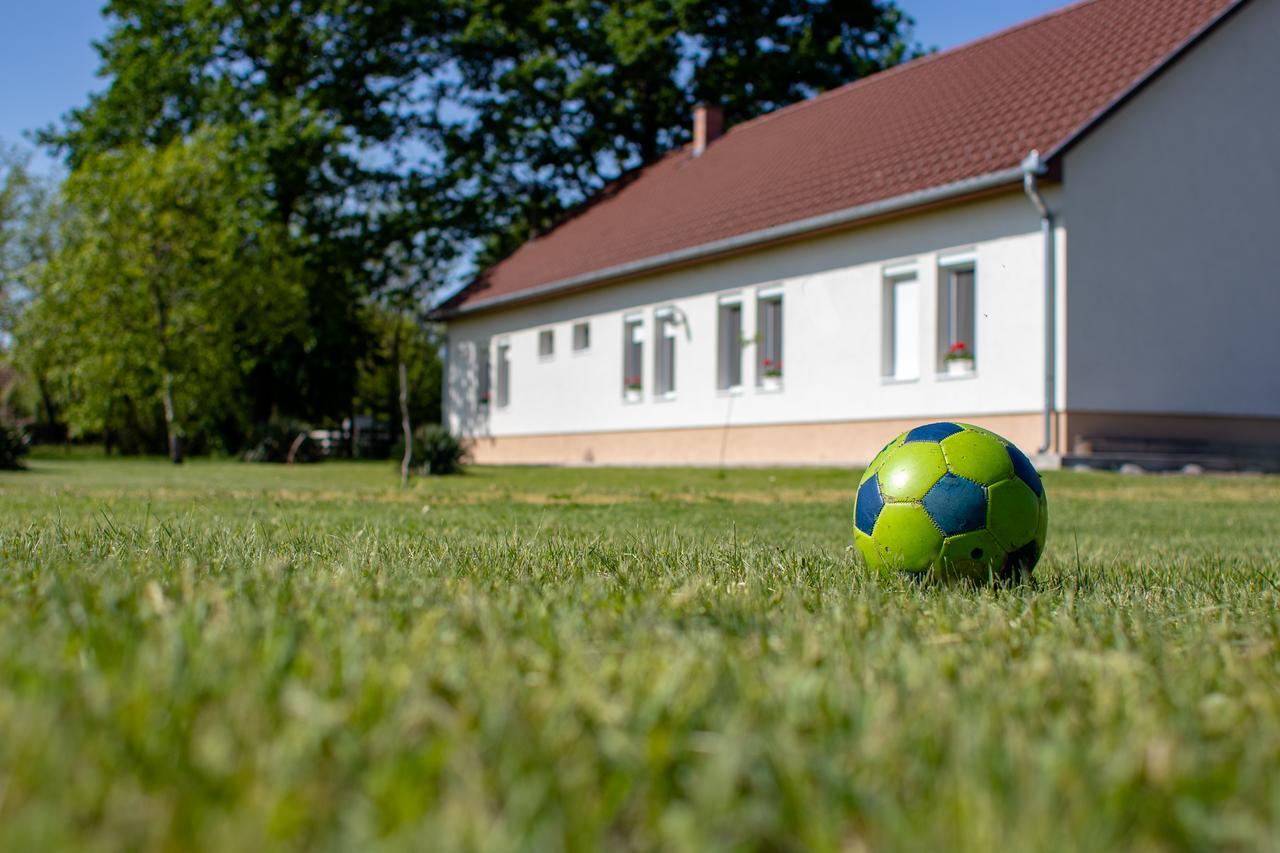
[(954, 500)]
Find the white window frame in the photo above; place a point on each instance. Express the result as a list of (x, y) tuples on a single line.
[(502, 369), (948, 266), (763, 296), (729, 343), (585, 327), (665, 323), (890, 370), (633, 334), (484, 376)]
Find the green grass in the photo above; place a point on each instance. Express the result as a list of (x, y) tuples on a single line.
[(235, 657)]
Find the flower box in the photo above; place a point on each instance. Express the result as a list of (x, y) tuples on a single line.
[(771, 374), (959, 360)]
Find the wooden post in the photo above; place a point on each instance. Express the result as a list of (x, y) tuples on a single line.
[(404, 423), (175, 445)]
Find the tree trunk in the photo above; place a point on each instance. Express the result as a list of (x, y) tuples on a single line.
[(404, 423), (175, 444)]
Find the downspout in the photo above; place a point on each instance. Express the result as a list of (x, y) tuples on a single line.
[(1032, 168)]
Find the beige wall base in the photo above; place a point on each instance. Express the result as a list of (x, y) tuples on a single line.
[(1079, 427), (843, 443)]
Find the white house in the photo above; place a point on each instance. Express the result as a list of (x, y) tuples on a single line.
[(1085, 203)]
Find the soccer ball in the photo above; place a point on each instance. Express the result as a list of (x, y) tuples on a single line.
[(954, 499)]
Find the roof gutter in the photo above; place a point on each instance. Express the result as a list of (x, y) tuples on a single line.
[(753, 239)]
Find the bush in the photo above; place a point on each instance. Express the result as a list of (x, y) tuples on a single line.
[(272, 441), (435, 451), (13, 446)]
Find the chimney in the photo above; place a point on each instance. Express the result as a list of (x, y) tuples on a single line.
[(708, 126)]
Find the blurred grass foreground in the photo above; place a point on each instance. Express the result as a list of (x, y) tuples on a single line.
[(227, 656)]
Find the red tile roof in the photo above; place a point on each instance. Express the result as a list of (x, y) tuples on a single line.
[(941, 119)]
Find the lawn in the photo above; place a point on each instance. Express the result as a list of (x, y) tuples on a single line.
[(229, 656)]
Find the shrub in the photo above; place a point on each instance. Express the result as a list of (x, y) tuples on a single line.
[(435, 451), (13, 446), (272, 441)]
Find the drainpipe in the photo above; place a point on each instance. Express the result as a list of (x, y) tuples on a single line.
[(1032, 168)]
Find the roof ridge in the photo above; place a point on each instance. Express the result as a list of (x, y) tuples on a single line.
[(911, 64)]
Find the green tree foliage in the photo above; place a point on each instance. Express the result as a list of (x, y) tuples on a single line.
[(317, 93), (169, 288), (24, 229), (28, 238), (558, 97), (388, 137)]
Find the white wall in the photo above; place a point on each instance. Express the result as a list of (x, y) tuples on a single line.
[(833, 290), (1174, 254)]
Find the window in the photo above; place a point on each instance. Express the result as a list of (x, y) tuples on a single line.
[(632, 358), (769, 340), (901, 350), (956, 318), (729, 357), (665, 354), (483, 393), (546, 343), (581, 336), (504, 375)]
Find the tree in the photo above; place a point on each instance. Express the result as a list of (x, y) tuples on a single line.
[(551, 99), (24, 229), (319, 95), (28, 238), (169, 285), (393, 136)]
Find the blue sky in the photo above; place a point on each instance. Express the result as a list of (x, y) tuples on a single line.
[(47, 64)]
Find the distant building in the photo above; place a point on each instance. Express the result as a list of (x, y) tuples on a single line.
[(789, 291)]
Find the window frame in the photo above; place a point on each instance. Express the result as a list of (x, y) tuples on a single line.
[(665, 320), (732, 341), (631, 324), (484, 375), (891, 278), (770, 296), (585, 326), (502, 374), (948, 267), (547, 336)]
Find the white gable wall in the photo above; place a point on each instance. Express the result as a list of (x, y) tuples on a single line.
[(1173, 207), (833, 337)]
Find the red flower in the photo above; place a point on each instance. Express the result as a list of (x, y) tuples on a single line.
[(959, 346), (768, 362)]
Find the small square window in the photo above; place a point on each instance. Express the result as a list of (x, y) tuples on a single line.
[(546, 343), (581, 336)]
